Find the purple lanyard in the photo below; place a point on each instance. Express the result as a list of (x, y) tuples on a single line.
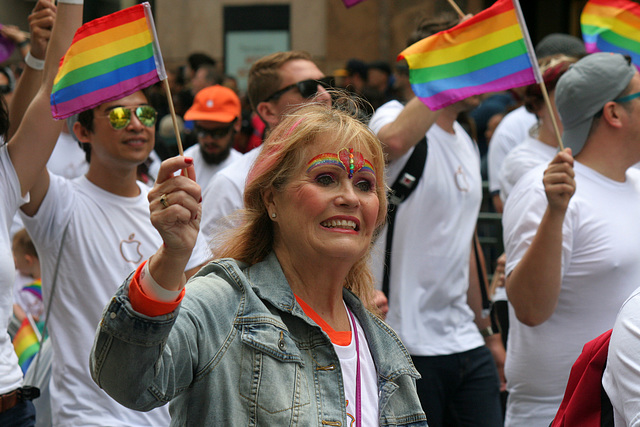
[(358, 396)]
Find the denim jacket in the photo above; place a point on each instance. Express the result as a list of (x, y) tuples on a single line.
[(239, 351)]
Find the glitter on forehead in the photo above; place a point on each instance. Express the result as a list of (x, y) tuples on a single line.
[(352, 160), (348, 159)]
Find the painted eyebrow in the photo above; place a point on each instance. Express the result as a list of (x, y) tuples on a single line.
[(324, 159)]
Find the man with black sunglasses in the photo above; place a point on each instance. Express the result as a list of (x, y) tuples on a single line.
[(276, 83), (216, 112)]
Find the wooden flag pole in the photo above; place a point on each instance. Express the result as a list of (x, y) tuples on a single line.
[(547, 101), (174, 119), (536, 68), (456, 8)]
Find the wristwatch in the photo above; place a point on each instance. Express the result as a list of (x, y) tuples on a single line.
[(487, 332)]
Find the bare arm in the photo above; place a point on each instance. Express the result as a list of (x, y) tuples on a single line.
[(41, 22), (407, 129), (34, 140), (534, 284)]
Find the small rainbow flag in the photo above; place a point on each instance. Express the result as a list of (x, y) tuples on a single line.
[(34, 288), (489, 52), (349, 3), (612, 26), (26, 344), (109, 58)]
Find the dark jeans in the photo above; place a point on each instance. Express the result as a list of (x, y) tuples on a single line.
[(21, 415), (460, 389)]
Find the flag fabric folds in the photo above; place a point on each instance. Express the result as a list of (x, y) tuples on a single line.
[(612, 26), (34, 288), (26, 345), (349, 3), (485, 53), (109, 58)]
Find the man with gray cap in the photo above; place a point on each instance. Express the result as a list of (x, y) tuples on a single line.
[(571, 238)]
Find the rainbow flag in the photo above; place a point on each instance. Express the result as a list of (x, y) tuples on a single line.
[(349, 3), (612, 26), (489, 52), (109, 58), (26, 344), (34, 288)]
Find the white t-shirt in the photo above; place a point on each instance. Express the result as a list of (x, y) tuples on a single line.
[(10, 373), (600, 268), (108, 236), (205, 171), (621, 379), (368, 377), (521, 160), (432, 243), (224, 194), (511, 131), (67, 159)]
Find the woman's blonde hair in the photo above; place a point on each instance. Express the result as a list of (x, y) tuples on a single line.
[(282, 154)]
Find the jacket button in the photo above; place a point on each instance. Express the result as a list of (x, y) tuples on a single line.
[(281, 345), (112, 315)]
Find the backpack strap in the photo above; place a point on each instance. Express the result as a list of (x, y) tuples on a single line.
[(400, 190), (486, 301)]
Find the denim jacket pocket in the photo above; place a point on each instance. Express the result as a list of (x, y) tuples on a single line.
[(272, 375)]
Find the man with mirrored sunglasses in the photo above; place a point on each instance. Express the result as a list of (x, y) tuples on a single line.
[(216, 112), (98, 227), (276, 83)]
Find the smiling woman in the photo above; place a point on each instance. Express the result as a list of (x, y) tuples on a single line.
[(281, 330), (297, 154)]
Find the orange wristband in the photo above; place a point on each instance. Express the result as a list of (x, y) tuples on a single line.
[(143, 303)]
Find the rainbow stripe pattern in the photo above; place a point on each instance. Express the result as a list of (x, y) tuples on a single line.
[(109, 58), (485, 53), (612, 26), (347, 159), (34, 288), (324, 159), (26, 345)]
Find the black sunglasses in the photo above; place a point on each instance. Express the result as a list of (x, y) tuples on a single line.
[(307, 88), (214, 133)]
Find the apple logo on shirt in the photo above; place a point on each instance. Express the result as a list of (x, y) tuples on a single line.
[(130, 249)]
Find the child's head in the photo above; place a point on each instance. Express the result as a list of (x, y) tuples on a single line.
[(25, 255)]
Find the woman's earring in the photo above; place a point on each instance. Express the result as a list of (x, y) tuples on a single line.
[(273, 215)]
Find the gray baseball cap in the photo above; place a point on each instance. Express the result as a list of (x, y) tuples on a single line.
[(584, 89)]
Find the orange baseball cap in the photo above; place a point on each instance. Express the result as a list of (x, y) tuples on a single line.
[(216, 104)]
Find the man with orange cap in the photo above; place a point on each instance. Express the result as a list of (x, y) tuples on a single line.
[(216, 113)]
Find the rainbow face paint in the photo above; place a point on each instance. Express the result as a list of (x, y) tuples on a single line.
[(324, 159), (348, 159)]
